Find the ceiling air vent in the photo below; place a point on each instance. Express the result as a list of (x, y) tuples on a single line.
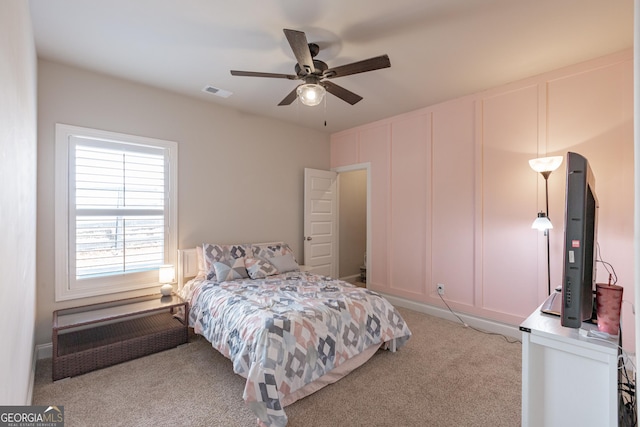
[(216, 91)]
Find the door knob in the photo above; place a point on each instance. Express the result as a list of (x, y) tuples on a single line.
[(308, 238)]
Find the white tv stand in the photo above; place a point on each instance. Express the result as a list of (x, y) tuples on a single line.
[(568, 379)]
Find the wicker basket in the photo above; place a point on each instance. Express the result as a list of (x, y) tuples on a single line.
[(86, 350)]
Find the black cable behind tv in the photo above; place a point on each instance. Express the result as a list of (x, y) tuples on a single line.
[(580, 225)]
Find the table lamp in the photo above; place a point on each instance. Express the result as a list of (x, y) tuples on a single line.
[(166, 275)]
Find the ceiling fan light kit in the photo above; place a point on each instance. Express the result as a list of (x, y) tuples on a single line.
[(310, 94), (314, 72)]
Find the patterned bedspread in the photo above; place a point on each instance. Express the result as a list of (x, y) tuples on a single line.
[(288, 330)]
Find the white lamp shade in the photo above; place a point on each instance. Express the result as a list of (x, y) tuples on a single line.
[(545, 164), (542, 223), (310, 94), (166, 273)]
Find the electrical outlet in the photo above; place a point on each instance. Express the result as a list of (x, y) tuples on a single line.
[(440, 288)]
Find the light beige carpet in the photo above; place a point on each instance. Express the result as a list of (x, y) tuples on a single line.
[(446, 375)]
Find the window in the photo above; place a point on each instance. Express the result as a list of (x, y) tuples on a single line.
[(116, 219)]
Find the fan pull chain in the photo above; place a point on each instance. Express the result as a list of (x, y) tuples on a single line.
[(325, 111)]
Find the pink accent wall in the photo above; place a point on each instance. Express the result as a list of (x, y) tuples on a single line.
[(410, 188), (375, 147), (453, 197), (508, 195), (453, 227)]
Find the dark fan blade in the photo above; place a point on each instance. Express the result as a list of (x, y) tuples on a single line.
[(258, 74), (289, 98), (342, 93), (298, 42), (359, 67)]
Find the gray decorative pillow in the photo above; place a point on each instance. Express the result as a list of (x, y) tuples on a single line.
[(285, 263), (224, 253), (230, 270), (259, 268)]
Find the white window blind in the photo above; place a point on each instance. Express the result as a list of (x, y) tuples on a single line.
[(119, 204), (119, 210)]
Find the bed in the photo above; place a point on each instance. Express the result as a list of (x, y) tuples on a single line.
[(289, 332)]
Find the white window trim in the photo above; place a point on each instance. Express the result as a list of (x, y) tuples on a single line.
[(63, 136)]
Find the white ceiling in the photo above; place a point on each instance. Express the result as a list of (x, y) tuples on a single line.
[(439, 49)]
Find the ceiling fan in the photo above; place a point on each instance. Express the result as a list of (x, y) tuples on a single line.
[(314, 73)]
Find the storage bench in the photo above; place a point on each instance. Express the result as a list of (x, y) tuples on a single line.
[(100, 335)]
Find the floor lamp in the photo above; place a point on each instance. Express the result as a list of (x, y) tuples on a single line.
[(545, 165)]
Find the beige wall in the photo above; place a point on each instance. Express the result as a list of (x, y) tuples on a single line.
[(240, 177), (17, 201), (352, 221)]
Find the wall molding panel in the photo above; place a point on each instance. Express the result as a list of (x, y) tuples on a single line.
[(454, 197)]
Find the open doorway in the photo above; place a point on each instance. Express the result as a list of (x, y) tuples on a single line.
[(353, 223)]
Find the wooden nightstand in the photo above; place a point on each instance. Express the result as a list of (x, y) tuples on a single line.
[(100, 335)]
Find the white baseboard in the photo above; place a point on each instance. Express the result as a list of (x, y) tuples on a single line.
[(44, 351), (351, 279), (477, 322), (40, 351)]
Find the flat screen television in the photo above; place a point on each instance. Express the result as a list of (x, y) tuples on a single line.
[(580, 234)]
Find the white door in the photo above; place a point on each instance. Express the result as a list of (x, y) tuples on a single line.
[(321, 222)]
